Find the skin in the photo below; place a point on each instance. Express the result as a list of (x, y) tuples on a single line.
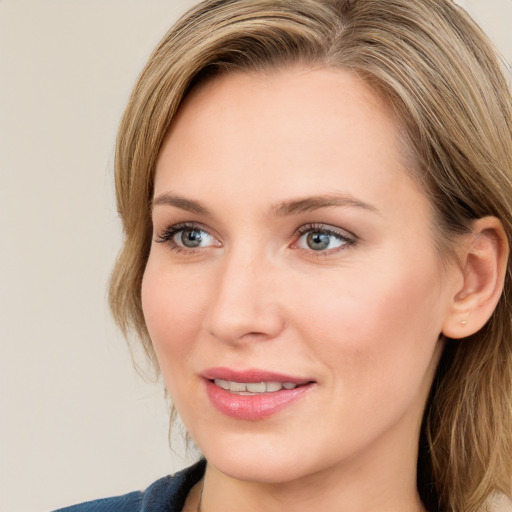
[(362, 319)]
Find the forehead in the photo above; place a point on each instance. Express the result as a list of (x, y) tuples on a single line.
[(300, 130), (302, 92)]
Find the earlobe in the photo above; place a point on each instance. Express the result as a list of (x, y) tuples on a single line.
[(483, 264)]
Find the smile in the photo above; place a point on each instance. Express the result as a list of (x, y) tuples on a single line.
[(253, 395)]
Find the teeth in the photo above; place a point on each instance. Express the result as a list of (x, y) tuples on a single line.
[(253, 387), (237, 386), (224, 384), (273, 386)]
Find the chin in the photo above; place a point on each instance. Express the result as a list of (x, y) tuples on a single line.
[(258, 469), (261, 458)]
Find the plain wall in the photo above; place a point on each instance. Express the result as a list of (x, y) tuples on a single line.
[(76, 421)]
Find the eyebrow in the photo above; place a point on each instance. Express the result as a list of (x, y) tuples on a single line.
[(308, 204), (284, 209), (180, 202)]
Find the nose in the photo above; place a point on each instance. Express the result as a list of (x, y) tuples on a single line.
[(245, 301)]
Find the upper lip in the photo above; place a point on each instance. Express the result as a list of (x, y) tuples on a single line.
[(251, 375)]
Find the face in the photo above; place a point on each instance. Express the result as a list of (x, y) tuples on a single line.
[(293, 291)]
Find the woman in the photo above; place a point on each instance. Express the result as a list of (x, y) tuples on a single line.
[(316, 198)]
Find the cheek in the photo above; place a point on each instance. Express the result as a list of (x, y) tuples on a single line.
[(375, 326), (172, 310)]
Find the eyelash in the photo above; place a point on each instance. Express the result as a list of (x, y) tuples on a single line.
[(348, 239), (167, 235)]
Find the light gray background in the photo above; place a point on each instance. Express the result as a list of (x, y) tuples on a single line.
[(76, 422)]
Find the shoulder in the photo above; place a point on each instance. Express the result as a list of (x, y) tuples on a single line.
[(167, 494), (127, 503)]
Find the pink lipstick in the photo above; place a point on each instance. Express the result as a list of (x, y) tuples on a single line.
[(253, 394)]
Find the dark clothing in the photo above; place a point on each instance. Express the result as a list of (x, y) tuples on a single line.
[(168, 494)]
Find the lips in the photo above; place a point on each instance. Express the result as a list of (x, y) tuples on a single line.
[(253, 395)]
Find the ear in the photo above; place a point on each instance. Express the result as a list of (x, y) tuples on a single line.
[(483, 264)]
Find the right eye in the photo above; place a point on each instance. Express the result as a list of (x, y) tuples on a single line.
[(183, 237)]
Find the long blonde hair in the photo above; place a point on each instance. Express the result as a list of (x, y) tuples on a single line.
[(439, 73)]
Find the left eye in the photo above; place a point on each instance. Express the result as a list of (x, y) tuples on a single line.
[(321, 240)]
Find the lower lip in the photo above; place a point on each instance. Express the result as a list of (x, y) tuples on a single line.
[(253, 407)]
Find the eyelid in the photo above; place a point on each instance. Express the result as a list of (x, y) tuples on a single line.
[(318, 226)]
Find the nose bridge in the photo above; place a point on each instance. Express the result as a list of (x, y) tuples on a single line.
[(244, 304)]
